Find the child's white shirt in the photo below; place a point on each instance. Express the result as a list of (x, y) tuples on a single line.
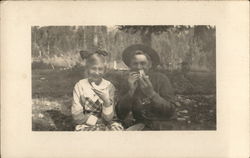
[(84, 89)]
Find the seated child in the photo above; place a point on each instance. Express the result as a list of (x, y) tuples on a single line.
[(93, 97)]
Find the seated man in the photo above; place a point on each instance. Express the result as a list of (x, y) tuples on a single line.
[(145, 93)]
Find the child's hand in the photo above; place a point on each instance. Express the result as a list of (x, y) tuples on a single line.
[(132, 80), (104, 95), (146, 86)]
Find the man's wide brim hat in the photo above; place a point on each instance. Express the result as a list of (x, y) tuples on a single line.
[(130, 51)]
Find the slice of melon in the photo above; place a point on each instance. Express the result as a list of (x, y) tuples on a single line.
[(142, 73)]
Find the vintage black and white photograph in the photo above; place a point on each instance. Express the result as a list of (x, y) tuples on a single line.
[(123, 78)]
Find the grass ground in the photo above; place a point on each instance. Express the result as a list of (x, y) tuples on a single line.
[(52, 92)]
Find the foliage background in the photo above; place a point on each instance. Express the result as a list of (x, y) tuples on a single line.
[(59, 46)]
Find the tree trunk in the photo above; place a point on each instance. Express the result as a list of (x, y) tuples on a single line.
[(48, 48), (84, 39), (146, 39), (95, 38)]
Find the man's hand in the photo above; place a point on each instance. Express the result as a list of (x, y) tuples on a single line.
[(146, 86), (132, 80), (104, 95)]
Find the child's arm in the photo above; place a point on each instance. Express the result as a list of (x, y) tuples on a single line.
[(108, 113), (108, 108), (77, 108)]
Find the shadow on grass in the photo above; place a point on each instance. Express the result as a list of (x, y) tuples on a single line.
[(54, 121), (61, 121)]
